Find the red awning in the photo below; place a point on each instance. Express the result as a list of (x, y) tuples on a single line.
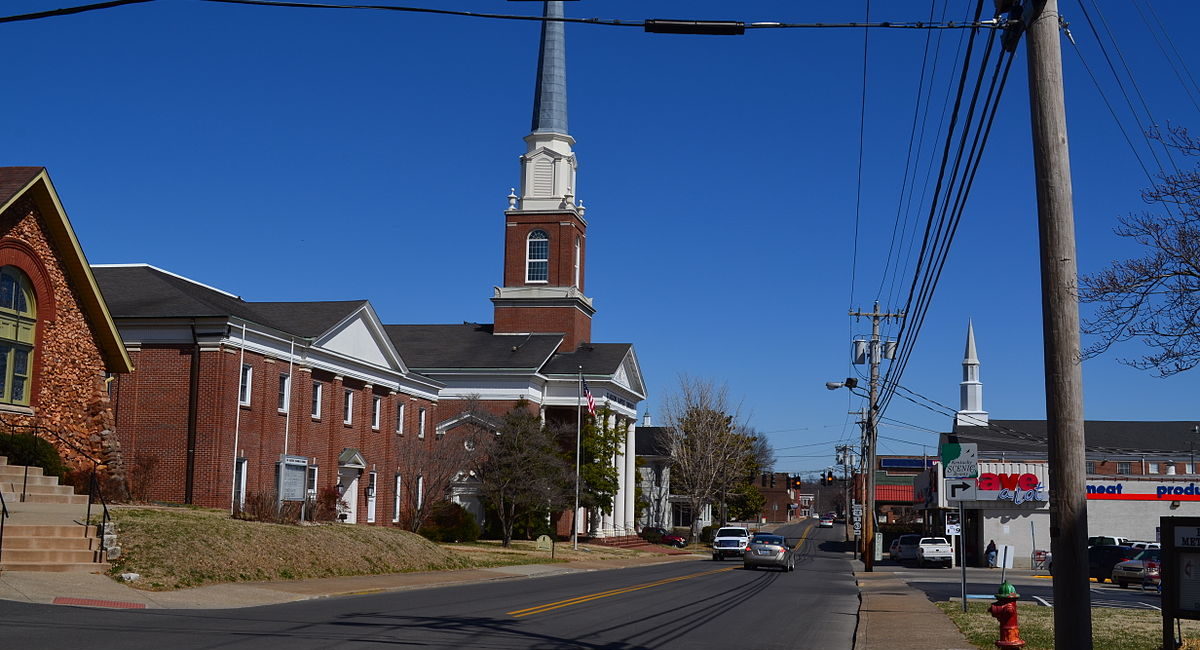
[(894, 493)]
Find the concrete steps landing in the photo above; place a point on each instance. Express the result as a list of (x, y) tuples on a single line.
[(45, 532)]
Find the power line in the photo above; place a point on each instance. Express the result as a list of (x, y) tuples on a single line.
[(67, 11), (862, 127)]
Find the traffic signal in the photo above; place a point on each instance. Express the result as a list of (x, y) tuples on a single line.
[(772, 480), (828, 478), (796, 482)]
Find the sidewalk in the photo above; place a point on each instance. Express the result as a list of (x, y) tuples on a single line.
[(895, 616), (97, 590)]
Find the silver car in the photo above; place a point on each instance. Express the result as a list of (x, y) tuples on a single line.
[(1142, 570), (769, 550)]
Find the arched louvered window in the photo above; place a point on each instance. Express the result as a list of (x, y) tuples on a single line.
[(537, 259), (18, 329)]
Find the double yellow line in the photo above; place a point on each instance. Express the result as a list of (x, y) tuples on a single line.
[(605, 594)]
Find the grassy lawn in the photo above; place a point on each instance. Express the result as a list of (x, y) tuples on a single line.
[(1112, 629), (173, 548)]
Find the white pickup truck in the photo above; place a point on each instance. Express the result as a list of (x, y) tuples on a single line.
[(935, 550)]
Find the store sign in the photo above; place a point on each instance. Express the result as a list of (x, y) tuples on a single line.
[(1144, 492), (1018, 488), (960, 460)]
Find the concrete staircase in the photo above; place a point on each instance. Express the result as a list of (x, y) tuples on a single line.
[(43, 532)]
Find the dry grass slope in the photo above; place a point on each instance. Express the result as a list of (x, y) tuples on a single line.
[(173, 548)]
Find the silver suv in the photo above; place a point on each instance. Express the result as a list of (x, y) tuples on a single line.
[(730, 541)]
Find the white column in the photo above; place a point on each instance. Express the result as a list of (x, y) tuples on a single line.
[(618, 509), (631, 479)]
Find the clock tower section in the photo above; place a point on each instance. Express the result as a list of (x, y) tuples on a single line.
[(545, 234)]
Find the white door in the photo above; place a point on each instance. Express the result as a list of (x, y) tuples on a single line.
[(371, 485), (348, 486)]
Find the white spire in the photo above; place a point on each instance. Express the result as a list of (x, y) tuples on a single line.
[(970, 407)]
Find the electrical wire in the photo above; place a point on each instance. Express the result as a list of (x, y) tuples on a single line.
[(67, 11), (862, 128), (1170, 61)]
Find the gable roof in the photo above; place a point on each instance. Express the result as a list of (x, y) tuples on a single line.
[(144, 291), (652, 441), (595, 359), (1115, 436), (470, 346), (34, 182)]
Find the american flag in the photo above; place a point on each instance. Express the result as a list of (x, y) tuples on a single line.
[(587, 392)]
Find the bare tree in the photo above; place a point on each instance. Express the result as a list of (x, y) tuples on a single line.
[(428, 466), (1155, 297), (708, 454)]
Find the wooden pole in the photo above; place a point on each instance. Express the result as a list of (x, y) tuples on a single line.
[(1060, 329)]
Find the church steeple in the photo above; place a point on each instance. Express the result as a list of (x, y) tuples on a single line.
[(545, 232), (970, 408)]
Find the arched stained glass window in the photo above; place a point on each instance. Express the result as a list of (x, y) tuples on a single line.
[(18, 329), (537, 260)]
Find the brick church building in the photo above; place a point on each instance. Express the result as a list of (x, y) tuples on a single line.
[(228, 394)]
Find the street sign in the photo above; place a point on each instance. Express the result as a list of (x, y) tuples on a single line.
[(960, 489), (953, 529), (960, 460), (857, 509)]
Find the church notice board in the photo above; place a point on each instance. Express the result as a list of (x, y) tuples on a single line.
[(1180, 571)]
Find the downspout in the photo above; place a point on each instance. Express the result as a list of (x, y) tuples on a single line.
[(193, 408), (237, 420)]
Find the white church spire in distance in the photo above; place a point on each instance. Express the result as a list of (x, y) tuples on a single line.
[(548, 166), (970, 407)]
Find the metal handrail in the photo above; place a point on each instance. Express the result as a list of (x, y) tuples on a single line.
[(94, 491), (3, 516)]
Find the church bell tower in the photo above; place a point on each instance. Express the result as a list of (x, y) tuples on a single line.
[(545, 234)]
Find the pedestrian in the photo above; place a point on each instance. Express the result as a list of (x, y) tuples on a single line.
[(991, 554)]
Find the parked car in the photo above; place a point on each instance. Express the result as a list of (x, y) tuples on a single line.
[(658, 535), (1142, 546), (826, 522), (1107, 540), (935, 550), (906, 547), (1141, 570), (769, 550), (894, 549), (1102, 559), (730, 542)]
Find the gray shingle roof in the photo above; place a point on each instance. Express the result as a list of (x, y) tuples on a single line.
[(596, 359), (1100, 436), (14, 179), (651, 441), (470, 345), (146, 292)]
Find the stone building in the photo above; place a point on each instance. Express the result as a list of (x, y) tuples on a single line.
[(58, 344)]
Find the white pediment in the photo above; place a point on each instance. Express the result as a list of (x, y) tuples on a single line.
[(361, 337), (629, 374)]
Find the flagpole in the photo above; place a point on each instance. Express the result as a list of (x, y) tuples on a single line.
[(578, 437)]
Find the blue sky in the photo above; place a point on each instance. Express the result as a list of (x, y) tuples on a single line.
[(288, 154)]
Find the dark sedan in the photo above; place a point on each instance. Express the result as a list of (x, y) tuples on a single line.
[(1102, 559), (657, 535)]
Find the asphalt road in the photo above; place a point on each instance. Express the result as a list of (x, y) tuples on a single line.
[(695, 604)]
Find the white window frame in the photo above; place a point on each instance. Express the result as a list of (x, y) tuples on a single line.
[(376, 409), (530, 260), (577, 258), (420, 492), (372, 486), (285, 392), (396, 502), (240, 467), (400, 419), (421, 423), (1126, 465), (246, 384), (317, 395), (1189, 468), (311, 486), (1152, 468), (348, 406)]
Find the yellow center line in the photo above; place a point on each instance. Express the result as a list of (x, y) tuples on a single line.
[(605, 594)]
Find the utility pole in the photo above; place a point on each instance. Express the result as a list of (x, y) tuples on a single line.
[(1060, 329), (875, 353), (845, 455)]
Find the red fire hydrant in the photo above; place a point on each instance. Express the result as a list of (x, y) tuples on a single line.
[(1005, 611)]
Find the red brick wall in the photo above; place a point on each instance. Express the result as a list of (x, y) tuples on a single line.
[(574, 324), (563, 229), (68, 367), (152, 409)]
